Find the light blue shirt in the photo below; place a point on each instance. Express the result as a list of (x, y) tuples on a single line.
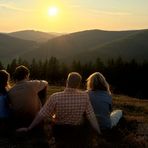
[(102, 105)]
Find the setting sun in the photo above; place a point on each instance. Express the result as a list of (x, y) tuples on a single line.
[(52, 11)]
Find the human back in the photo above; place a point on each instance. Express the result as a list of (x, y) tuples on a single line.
[(70, 106), (101, 100), (24, 99)]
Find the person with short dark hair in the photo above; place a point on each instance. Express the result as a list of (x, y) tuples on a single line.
[(24, 99), (101, 99), (21, 73), (68, 110)]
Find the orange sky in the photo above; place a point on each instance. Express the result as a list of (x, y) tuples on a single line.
[(73, 15)]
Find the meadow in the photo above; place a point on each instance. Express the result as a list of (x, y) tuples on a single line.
[(131, 132)]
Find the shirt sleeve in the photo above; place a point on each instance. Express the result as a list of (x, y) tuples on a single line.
[(91, 115), (49, 108), (39, 84)]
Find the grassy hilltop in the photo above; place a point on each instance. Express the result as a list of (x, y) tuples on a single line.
[(132, 131)]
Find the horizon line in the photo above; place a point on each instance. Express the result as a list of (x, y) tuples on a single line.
[(36, 30)]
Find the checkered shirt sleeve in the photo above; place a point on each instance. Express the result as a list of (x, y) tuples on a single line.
[(49, 107)]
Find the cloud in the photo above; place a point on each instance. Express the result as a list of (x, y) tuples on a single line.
[(110, 12), (75, 6), (95, 11), (11, 7)]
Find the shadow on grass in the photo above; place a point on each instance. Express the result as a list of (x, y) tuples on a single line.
[(124, 135)]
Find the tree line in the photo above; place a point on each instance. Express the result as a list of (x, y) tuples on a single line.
[(129, 78)]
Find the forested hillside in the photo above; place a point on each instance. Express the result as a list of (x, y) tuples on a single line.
[(76, 45), (11, 47), (85, 46), (128, 78), (134, 46)]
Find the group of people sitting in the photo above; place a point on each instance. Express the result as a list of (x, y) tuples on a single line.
[(71, 111)]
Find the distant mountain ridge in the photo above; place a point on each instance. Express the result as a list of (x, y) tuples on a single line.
[(134, 46), (11, 47), (79, 44), (84, 46), (33, 35)]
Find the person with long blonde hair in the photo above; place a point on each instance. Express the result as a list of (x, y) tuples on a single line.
[(101, 99)]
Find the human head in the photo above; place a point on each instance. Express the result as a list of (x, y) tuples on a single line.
[(21, 73), (73, 80), (4, 78), (97, 81)]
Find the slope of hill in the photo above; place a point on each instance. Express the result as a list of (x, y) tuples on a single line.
[(131, 132), (84, 46), (134, 46), (37, 36), (73, 44), (11, 47)]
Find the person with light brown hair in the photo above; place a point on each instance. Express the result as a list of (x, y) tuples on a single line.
[(101, 99), (68, 110)]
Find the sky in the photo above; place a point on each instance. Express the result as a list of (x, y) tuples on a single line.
[(73, 15)]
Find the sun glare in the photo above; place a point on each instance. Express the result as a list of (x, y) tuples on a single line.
[(52, 11)]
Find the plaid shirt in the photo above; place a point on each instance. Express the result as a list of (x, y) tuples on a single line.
[(68, 107)]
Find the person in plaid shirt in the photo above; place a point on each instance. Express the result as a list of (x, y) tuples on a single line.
[(67, 108)]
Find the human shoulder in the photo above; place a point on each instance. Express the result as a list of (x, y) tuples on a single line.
[(38, 84), (105, 96), (56, 94), (55, 97), (105, 93), (37, 81), (82, 92)]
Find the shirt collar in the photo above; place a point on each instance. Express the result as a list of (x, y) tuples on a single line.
[(67, 89)]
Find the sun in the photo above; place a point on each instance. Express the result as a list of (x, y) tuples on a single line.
[(52, 11)]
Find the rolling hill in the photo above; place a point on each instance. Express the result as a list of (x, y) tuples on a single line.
[(11, 47), (134, 46), (33, 35), (84, 46), (68, 46)]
